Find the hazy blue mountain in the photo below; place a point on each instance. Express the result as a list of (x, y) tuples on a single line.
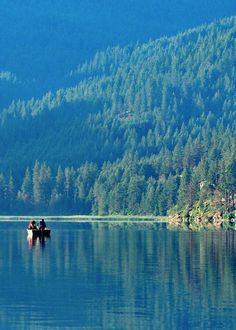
[(11, 87), (41, 41), (124, 89)]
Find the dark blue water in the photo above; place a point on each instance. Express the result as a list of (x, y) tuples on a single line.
[(117, 277)]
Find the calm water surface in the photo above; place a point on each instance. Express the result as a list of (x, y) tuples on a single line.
[(103, 276)]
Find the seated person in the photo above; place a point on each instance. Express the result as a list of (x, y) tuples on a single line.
[(42, 224), (32, 225)]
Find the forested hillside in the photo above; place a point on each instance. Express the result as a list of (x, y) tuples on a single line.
[(147, 128), (41, 41)]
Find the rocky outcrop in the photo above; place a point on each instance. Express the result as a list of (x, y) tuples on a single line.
[(198, 218)]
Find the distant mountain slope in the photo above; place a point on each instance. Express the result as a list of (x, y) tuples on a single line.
[(11, 87), (178, 80), (42, 41), (155, 119)]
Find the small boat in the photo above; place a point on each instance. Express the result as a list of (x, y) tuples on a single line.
[(39, 233)]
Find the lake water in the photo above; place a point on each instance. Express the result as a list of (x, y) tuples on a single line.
[(104, 276)]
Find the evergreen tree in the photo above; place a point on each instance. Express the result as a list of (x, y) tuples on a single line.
[(100, 205), (25, 194), (69, 189), (136, 188), (161, 199), (149, 200), (184, 193), (2, 194), (11, 194), (45, 184), (57, 200), (37, 196)]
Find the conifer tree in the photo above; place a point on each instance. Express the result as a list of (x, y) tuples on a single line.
[(2, 194), (11, 194), (37, 197)]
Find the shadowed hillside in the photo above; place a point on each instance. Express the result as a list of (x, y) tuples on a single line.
[(145, 127)]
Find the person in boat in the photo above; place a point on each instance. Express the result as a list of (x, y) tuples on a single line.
[(32, 225), (42, 224)]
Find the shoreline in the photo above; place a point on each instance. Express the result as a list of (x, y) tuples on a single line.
[(87, 218)]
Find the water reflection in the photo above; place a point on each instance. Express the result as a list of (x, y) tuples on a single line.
[(117, 277), (36, 241)]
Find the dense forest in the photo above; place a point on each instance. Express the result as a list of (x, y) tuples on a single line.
[(41, 41), (147, 129)]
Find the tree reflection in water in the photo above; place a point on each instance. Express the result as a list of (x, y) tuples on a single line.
[(118, 277)]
